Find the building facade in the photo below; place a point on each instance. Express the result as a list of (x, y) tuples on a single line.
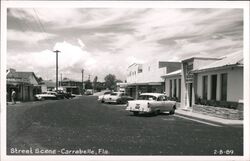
[(209, 85), (47, 85), (25, 85), (173, 85), (142, 78), (71, 86)]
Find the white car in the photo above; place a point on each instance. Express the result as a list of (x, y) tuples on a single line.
[(46, 95), (117, 97), (101, 97), (151, 103)]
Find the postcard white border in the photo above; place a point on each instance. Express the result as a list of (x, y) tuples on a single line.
[(124, 4)]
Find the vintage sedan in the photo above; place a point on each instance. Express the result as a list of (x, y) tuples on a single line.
[(117, 97), (46, 95), (101, 97), (151, 103)]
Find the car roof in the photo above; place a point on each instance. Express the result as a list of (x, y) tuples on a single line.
[(152, 94)]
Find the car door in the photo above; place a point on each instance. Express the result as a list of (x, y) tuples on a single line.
[(167, 104), (160, 102)]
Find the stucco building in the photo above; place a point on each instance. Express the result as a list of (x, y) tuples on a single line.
[(207, 84), (146, 77)]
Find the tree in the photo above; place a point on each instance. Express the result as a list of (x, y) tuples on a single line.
[(39, 79), (95, 82), (88, 84), (110, 81)]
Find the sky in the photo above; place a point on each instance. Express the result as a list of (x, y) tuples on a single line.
[(107, 40)]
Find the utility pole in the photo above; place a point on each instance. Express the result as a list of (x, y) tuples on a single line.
[(61, 80), (57, 51), (82, 75), (82, 80)]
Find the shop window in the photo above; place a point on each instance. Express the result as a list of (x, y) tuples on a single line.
[(213, 87), (175, 87), (170, 88), (224, 87), (204, 87), (179, 89)]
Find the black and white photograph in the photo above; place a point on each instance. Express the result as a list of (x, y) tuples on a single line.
[(153, 81)]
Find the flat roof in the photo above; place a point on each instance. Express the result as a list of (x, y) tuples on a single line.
[(174, 73)]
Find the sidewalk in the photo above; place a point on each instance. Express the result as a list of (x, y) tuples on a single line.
[(189, 113)]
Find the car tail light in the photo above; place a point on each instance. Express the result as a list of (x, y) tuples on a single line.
[(148, 105)]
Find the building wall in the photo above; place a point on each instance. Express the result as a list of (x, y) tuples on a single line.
[(234, 83), (33, 80), (189, 84), (150, 73)]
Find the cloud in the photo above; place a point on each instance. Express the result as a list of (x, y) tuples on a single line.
[(108, 40), (81, 43), (29, 37)]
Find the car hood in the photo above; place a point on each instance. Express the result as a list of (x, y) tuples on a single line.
[(140, 101)]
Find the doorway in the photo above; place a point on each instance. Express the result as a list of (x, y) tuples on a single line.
[(190, 94)]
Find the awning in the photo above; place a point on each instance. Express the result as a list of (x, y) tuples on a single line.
[(145, 84)]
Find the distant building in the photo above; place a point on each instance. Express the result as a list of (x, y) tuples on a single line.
[(143, 78), (121, 87), (47, 85), (71, 86), (24, 83)]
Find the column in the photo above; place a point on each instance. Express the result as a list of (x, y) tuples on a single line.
[(136, 92), (209, 87), (218, 90)]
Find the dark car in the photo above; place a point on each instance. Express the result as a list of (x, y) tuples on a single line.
[(62, 95)]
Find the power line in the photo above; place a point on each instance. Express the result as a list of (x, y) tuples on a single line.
[(39, 21), (41, 26)]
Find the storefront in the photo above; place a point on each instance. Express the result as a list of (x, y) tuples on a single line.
[(173, 85), (134, 90), (189, 79), (25, 85)]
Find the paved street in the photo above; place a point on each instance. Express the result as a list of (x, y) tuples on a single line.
[(84, 126)]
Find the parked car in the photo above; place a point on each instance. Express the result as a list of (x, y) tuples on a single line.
[(117, 97), (68, 95), (101, 97), (46, 95), (151, 103), (62, 95), (89, 92)]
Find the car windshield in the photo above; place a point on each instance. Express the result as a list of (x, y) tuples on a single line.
[(107, 93), (114, 94), (146, 97)]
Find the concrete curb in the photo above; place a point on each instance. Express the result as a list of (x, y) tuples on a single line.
[(208, 118)]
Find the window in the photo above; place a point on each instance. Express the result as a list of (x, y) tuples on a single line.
[(213, 87), (146, 97), (170, 88), (224, 87), (160, 98), (204, 87), (175, 88), (179, 89)]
